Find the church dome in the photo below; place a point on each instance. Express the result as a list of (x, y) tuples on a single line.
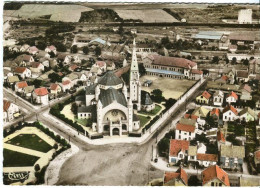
[(110, 79)]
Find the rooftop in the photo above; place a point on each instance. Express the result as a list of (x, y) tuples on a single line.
[(178, 145), (213, 172)]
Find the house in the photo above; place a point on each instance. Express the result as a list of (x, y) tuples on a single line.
[(214, 176), (215, 114), (10, 111), (200, 112), (178, 178), (231, 157), (231, 97), (73, 67), (41, 96), (196, 74), (257, 160), (12, 80), (247, 114), (24, 48), (75, 59), (63, 58), (178, 150), (72, 77), (23, 72), (101, 66), (147, 104), (25, 60), (203, 98), (51, 48), (194, 150), (218, 98), (245, 92), (185, 129), (206, 160), (37, 67), (230, 113), (7, 73), (223, 79), (110, 65), (66, 85), (19, 86), (27, 92), (242, 76), (33, 50), (55, 89), (45, 61)]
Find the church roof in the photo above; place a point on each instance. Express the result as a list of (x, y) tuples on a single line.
[(90, 90), (148, 100), (110, 95), (85, 109), (110, 79)]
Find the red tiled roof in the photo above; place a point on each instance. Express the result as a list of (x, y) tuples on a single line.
[(6, 105), (178, 145), (173, 61), (190, 116), (257, 155), (33, 48), (121, 71), (35, 64), (206, 95), (213, 172), (180, 173), (196, 71), (224, 77), (66, 82), (54, 86), (41, 91), (22, 84), (207, 157), (233, 94), (60, 73), (73, 67), (187, 128), (215, 111), (230, 107), (20, 69), (220, 136)]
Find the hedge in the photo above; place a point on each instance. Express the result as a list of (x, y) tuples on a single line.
[(135, 134)]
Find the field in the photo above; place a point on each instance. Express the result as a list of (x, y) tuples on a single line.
[(65, 13), (16, 159), (148, 15), (171, 88), (30, 141), (143, 120)]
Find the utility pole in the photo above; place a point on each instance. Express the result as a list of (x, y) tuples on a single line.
[(152, 153)]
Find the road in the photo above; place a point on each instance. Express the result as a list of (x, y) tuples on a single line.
[(113, 164)]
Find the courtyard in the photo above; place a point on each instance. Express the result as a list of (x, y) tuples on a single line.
[(171, 88)]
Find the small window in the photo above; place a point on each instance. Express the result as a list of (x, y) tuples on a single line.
[(212, 184)]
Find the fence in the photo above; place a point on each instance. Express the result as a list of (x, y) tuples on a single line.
[(181, 99)]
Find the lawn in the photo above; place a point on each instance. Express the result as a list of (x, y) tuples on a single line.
[(153, 112), (30, 141), (83, 122), (16, 159), (143, 120), (171, 88)]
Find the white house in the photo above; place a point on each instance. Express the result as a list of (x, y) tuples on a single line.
[(194, 150), (33, 50), (218, 98), (51, 48), (178, 150), (231, 97), (230, 113), (247, 114), (24, 48), (66, 85), (206, 160), (19, 86), (185, 132), (41, 95), (37, 67), (23, 72), (10, 110)]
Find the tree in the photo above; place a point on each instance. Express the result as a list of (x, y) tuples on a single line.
[(61, 47), (215, 59), (194, 181), (157, 92), (98, 51), (55, 146), (142, 69), (54, 77), (165, 40), (52, 54), (74, 108), (234, 61), (37, 83), (163, 147), (37, 167), (246, 62), (74, 49), (85, 50), (41, 45)]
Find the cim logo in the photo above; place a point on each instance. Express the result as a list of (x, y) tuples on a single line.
[(14, 176)]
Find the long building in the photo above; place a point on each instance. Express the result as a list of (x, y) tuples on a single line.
[(171, 67)]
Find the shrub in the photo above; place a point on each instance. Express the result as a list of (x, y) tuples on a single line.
[(37, 167)]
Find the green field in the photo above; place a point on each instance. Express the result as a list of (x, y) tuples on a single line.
[(153, 112), (30, 141), (83, 122), (143, 120), (16, 159)]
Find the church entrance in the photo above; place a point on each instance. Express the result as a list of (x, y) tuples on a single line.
[(115, 132), (135, 107)]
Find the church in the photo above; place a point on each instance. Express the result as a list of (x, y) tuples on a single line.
[(110, 106)]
